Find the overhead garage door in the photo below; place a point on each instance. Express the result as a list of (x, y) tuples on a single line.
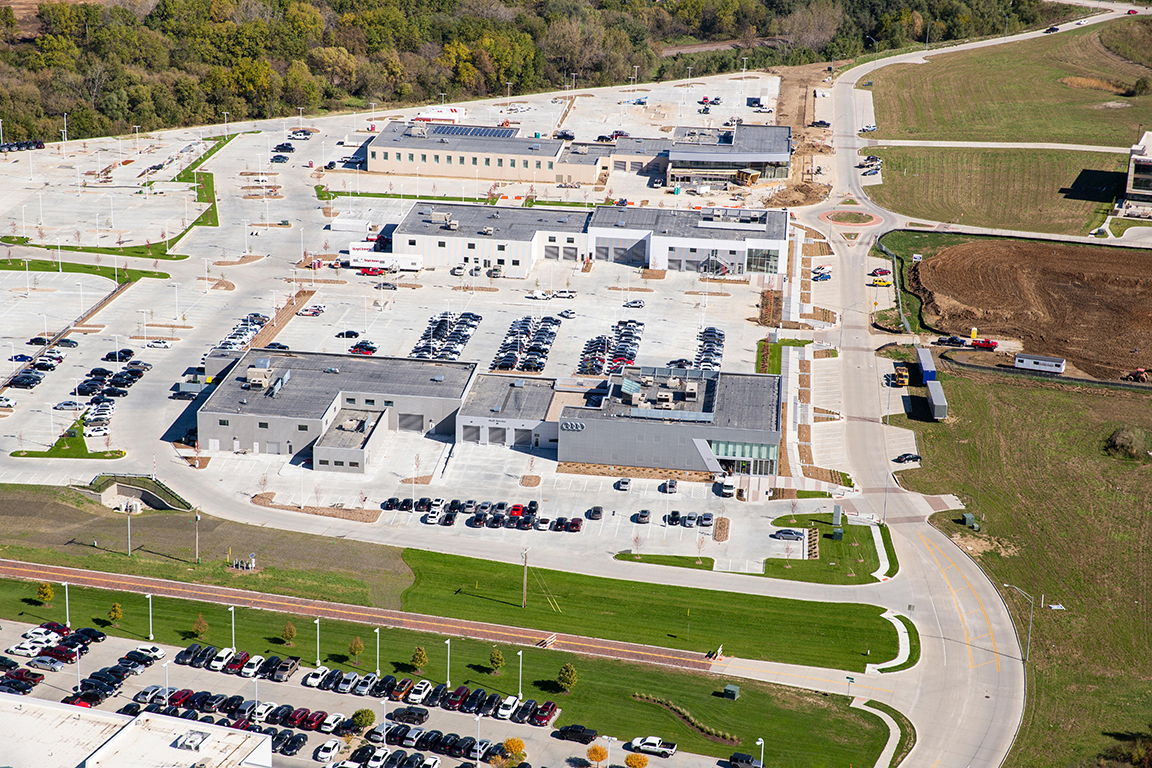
[(619, 165), (471, 434), (551, 251), (569, 253), (523, 437), (496, 435), (602, 252), (637, 166), (411, 422)]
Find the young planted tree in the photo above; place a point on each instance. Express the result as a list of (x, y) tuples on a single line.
[(419, 659), (635, 760), (515, 749), (495, 660), (115, 613), (567, 678), (45, 593), (200, 626), (597, 754), (363, 718), (288, 634), (356, 647)]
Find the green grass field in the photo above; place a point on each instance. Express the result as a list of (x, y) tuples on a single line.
[(676, 561), (1014, 93), (833, 735), (849, 561), (792, 631), (775, 353), (123, 274), (1030, 190), (70, 448), (1065, 522)]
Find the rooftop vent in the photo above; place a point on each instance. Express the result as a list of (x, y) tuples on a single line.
[(438, 378), (518, 383), (193, 740), (497, 409), (331, 370), (487, 231)]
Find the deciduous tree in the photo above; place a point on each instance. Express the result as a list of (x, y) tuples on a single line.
[(288, 634), (567, 678), (200, 626), (115, 613), (45, 593), (597, 754), (496, 660), (356, 647), (419, 659)]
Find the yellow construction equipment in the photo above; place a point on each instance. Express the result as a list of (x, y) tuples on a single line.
[(747, 177), (900, 377)]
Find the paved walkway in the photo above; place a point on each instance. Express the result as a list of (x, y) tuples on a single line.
[(994, 145)]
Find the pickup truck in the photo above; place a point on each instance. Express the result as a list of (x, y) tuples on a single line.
[(577, 733), (985, 343), (286, 669), (654, 745)]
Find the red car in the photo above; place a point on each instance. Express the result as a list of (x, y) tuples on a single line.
[(362, 351), (545, 714), (177, 699), (237, 663), (575, 524), (57, 627), (314, 720), (76, 700), (60, 652), (297, 717), (27, 675), (456, 698), (517, 510), (242, 725), (880, 272), (1133, 12), (984, 343), (371, 271)]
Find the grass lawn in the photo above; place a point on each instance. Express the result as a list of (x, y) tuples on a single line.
[(602, 699), (70, 448), (774, 353), (913, 643), (57, 526), (1120, 226), (155, 486), (1064, 520), (792, 631), (123, 274), (324, 193), (1031, 190), (907, 731), (849, 561), (1014, 93), (679, 561)]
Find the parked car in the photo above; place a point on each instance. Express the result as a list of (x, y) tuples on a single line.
[(905, 458)]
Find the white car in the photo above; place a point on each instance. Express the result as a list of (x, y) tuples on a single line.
[(160, 344), (331, 722), (68, 405), (40, 634), (313, 678), (564, 295), (251, 666), (163, 695), (28, 649), (539, 295), (378, 758), (507, 707), (822, 270), (154, 651), (328, 750), (46, 664), (419, 692), (431, 761), (479, 748), (634, 304), (96, 432), (221, 659), (7, 402), (262, 710)]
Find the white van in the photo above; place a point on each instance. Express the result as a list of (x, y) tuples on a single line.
[(507, 707), (728, 489), (221, 659)]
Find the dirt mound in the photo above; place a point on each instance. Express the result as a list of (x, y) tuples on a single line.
[(1090, 305)]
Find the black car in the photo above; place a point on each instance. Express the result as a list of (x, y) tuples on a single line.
[(397, 734), (188, 654), (154, 708), (674, 517), (115, 392), (206, 719), (7, 664), (268, 667), (131, 709), (950, 341), (100, 373), (107, 679), (331, 680), (463, 747), (490, 704), (406, 505), (183, 395), (435, 695), (411, 715), (345, 728), (348, 335), (362, 754), (206, 655), (231, 704), (140, 658), (276, 716), (119, 356), (383, 687), (904, 458), (414, 760), (392, 503), (277, 345), (565, 135), (295, 744), (447, 743), (396, 759), (44, 365), (524, 712), (38, 341), (429, 740), (280, 739), (197, 700), (742, 760)]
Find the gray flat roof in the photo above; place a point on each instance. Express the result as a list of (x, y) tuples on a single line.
[(748, 401), (764, 139), (586, 153), (309, 390), (418, 136), (492, 391), (635, 145), (507, 223), (350, 429), (713, 223)]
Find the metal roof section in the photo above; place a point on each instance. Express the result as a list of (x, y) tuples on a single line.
[(490, 140), (472, 221), (707, 223)]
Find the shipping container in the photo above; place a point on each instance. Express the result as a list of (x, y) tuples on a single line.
[(937, 403), (927, 365)]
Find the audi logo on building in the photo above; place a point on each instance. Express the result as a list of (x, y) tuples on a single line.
[(572, 426)]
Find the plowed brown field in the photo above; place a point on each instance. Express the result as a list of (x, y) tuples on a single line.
[(1090, 305)]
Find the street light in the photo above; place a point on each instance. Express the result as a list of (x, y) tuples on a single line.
[(377, 631), (1028, 648), (67, 609), (760, 743), (167, 692), (232, 610), (317, 623), (177, 287), (150, 635), (609, 739), (520, 685), (448, 675)]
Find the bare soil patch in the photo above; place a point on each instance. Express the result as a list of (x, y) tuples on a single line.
[(530, 481), (607, 470), (247, 258), (422, 480), (359, 515), (1090, 305), (653, 274), (706, 293)]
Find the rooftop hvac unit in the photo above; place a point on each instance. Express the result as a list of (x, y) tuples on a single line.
[(192, 740), (664, 396), (438, 378), (441, 217), (487, 231), (518, 383), (647, 381), (691, 390), (674, 383), (453, 225)]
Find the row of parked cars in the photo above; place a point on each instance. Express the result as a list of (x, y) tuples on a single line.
[(243, 332), (21, 146), (446, 336), (709, 353), (526, 344)]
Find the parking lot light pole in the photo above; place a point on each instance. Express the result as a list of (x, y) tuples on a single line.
[(167, 694), (609, 739), (150, 635), (448, 675), (1031, 605), (67, 609), (232, 610), (520, 685), (377, 631), (477, 734), (760, 743), (317, 623)]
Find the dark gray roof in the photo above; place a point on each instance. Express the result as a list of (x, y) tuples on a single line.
[(742, 143), (586, 154), (350, 429), (748, 401), (310, 390), (714, 223), (397, 135), (498, 397), (507, 223), (640, 146)]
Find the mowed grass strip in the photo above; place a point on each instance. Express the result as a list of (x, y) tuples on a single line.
[(1014, 93), (832, 734), (1063, 520), (1029, 190), (834, 635), (848, 561)]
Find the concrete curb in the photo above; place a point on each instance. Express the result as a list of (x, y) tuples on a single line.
[(904, 645), (889, 750)]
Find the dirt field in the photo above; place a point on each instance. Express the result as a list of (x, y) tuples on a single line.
[(1090, 305)]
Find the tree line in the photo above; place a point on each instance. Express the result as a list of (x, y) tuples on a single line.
[(165, 63)]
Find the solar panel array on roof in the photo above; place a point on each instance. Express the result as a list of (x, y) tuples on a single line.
[(483, 131)]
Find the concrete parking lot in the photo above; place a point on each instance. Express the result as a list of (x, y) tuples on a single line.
[(541, 747)]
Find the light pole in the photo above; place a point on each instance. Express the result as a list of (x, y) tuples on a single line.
[(524, 593), (508, 98), (144, 322), (609, 739), (442, 97), (1028, 648), (477, 733), (875, 51), (520, 685), (67, 608), (448, 675), (760, 743), (377, 631), (177, 287), (232, 611), (205, 260), (197, 537), (317, 623), (137, 129), (150, 635), (300, 117), (225, 125)]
